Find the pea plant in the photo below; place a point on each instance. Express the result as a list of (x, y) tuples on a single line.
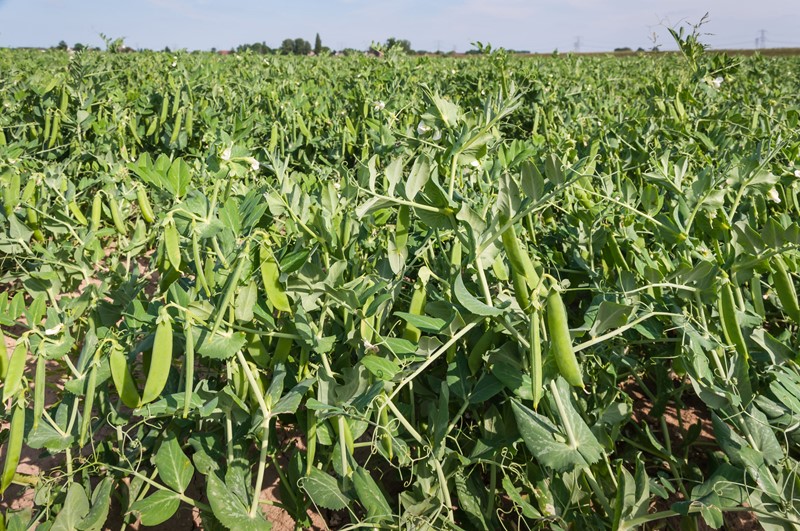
[(421, 293)]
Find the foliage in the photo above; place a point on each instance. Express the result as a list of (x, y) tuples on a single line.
[(205, 259)]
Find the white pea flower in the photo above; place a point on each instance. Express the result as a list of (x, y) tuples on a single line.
[(475, 163), (797, 173), (174, 64), (422, 128), (773, 196), (436, 135), (226, 155), (254, 164), (717, 81), (337, 186), (379, 105), (55, 330)]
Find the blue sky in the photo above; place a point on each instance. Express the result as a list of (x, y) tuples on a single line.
[(536, 25)]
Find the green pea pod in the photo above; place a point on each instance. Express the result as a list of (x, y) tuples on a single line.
[(188, 122), (230, 290), (121, 376), (757, 296), (76, 212), (730, 324), (385, 429), (172, 244), (176, 128), (16, 368), (97, 211), (144, 205), (161, 360), (14, 447), (151, 129), (116, 216), (164, 110), (88, 404), (417, 305), (47, 117), (189, 363), (54, 131), (520, 290), (273, 137), (560, 340), (38, 390), (198, 263), (3, 356), (537, 372), (519, 260), (482, 346), (311, 446), (270, 279), (62, 107), (784, 287)]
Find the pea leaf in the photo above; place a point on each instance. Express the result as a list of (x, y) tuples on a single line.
[(157, 508), (173, 466), (380, 367), (76, 507), (229, 510), (324, 491), (470, 302)]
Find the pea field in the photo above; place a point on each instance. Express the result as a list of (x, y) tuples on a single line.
[(423, 293)]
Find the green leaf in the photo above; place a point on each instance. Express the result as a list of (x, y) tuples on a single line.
[(324, 491), (157, 508), (425, 323), (470, 302), (380, 367), (221, 346), (547, 444), (418, 177), (229, 510), (174, 468), (76, 507), (101, 502), (610, 315), (370, 496)]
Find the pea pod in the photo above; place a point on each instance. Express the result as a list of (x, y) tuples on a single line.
[(97, 211), (520, 261), (164, 110), (385, 429), (121, 376), (270, 279), (16, 368), (116, 216), (161, 360), (76, 212), (730, 324), (560, 340), (88, 402), (537, 373), (311, 438), (3, 356), (176, 128), (144, 205), (14, 447), (38, 389), (417, 305), (54, 131), (47, 117), (188, 363), (784, 287), (188, 121), (172, 244)]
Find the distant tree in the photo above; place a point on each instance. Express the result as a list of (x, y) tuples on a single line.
[(301, 46), (287, 47), (167, 50), (317, 45), (62, 45), (402, 43), (623, 49), (78, 47)]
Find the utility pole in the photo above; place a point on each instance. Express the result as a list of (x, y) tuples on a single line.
[(763, 38), (577, 44)]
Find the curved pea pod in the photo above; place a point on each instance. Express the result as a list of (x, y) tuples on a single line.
[(560, 340), (88, 404), (76, 212), (520, 290), (54, 130), (784, 287), (172, 244), (161, 361), (144, 205), (270, 279), (121, 376), (116, 216), (38, 390), (16, 368), (726, 306), (14, 446), (520, 261)]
